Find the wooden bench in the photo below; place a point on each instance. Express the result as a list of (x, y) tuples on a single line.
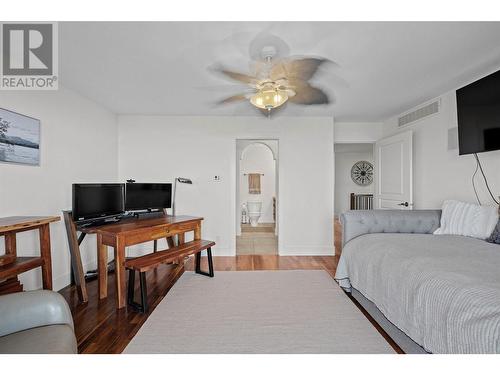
[(151, 261)]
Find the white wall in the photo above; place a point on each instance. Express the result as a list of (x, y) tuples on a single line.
[(258, 158), (440, 173), (158, 148), (344, 185), (78, 144), (358, 132)]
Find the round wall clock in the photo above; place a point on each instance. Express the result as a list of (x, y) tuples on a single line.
[(362, 173)]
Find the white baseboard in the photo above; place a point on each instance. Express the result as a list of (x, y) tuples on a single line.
[(62, 281), (221, 252), (306, 250), (285, 250)]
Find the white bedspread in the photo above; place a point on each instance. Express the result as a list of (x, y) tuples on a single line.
[(442, 291)]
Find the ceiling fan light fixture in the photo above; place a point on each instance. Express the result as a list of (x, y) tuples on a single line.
[(269, 98)]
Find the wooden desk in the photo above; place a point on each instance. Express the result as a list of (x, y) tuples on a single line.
[(12, 265), (132, 232)]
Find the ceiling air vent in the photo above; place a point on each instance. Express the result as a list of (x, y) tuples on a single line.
[(418, 114)]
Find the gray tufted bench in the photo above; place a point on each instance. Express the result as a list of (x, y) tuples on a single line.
[(357, 223)]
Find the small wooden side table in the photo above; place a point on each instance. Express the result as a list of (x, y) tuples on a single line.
[(11, 265)]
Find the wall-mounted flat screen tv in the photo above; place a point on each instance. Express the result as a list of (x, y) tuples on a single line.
[(142, 196), (97, 201), (478, 109)]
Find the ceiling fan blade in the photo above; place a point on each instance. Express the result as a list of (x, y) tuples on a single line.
[(302, 69), (233, 99), (306, 94), (240, 77)]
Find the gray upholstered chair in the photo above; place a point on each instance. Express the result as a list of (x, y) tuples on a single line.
[(36, 322)]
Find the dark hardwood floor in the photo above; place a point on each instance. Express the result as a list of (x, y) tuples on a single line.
[(100, 328), (337, 238)]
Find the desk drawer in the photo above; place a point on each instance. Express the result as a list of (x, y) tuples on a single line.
[(162, 233), (157, 233)]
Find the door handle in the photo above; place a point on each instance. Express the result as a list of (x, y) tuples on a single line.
[(406, 204)]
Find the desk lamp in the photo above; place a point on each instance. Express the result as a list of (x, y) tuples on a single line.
[(181, 180)]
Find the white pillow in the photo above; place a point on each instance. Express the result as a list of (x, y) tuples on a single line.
[(467, 219)]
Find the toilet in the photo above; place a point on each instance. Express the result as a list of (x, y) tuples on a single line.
[(254, 212)]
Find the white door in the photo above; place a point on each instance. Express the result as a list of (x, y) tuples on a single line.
[(394, 172)]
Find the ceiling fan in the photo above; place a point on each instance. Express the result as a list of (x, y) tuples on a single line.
[(278, 81)]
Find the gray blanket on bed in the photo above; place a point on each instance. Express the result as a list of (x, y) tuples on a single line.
[(442, 291)]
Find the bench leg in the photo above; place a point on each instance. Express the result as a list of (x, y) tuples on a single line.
[(210, 262), (131, 285), (198, 270), (144, 292), (197, 258), (143, 306)]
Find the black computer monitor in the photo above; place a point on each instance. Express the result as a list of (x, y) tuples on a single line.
[(97, 201), (142, 196)]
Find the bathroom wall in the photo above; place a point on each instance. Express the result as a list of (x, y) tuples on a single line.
[(258, 158)]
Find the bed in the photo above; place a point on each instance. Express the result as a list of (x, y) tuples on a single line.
[(430, 293)]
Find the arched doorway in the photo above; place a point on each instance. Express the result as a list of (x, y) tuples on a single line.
[(257, 197)]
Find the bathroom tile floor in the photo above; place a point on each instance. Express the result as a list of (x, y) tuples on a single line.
[(259, 240)]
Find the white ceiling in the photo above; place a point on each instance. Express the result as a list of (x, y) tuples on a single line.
[(381, 68)]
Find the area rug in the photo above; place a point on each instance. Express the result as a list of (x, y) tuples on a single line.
[(257, 312)]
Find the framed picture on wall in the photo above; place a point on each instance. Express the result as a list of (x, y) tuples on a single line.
[(19, 138)]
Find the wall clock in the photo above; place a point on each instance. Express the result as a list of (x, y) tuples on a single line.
[(362, 173)]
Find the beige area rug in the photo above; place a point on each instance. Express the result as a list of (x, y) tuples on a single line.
[(257, 312)]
